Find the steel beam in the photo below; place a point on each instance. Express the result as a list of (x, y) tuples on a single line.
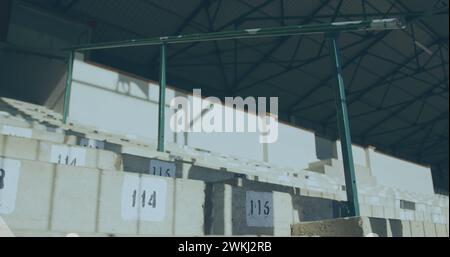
[(335, 27), (68, 86), (344, 130), (162, 99)]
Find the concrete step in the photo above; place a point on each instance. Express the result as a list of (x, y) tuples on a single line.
[(369, 227), (49, 198), (324, 179), (37, 150), (129, 149), (315, 187)]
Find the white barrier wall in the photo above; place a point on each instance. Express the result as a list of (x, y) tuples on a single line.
[(118, 103), (295, 147), (110, 101), (400, 174), (359, 154)]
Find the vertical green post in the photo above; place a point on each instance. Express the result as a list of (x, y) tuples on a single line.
[(162, 99), (68, 86), (344, 130)]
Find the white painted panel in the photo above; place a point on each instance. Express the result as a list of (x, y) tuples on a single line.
[(9, 179), (295, 147), (72, 156), (122, 104), (259, 209), (125, 105), (162, 168), (113, 111), (143, 198), (244, 144), (400, 174)]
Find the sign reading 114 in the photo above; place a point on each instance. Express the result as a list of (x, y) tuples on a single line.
[(145, 199)]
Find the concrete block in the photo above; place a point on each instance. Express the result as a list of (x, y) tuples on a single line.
[(75, 200), (328, 195), (195, 172), (30, 197), (430, 229), (8, 130), (45, 135), (389, 202), (406, 228), (341, 196), (282, 219), (365, 210), (30, 149), (419, 216), (438, 218), (405, 214), (314, 193), (398, 228), (19, 148), (107, 160), (79, 156), (218, 210), (304, 191), (441, 230), (421, 207), (378, 212), (361, 199), (348, 227), (158, 221), (110, 206), (242, 211), (417, 229), (389, 213), (189, 207), (123, 209), (14, 122), (313, 209), (427, 217), (33, 130), (377, 226), (372, 200), (436, 210)]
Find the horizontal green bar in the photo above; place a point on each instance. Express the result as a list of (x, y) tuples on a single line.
[(336, 27)]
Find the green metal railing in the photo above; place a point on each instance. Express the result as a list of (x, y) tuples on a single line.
[(68, 85), (344, 131), (336, 27), (331, 29), (162, 99)]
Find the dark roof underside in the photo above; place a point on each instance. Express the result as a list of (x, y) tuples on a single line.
[(397, 81)]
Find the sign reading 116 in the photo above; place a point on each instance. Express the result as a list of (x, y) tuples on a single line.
[(259, 207), (145, 199)]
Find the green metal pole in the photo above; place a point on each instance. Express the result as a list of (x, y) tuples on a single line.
[(162, 99), (68, 86), (344, 131)]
